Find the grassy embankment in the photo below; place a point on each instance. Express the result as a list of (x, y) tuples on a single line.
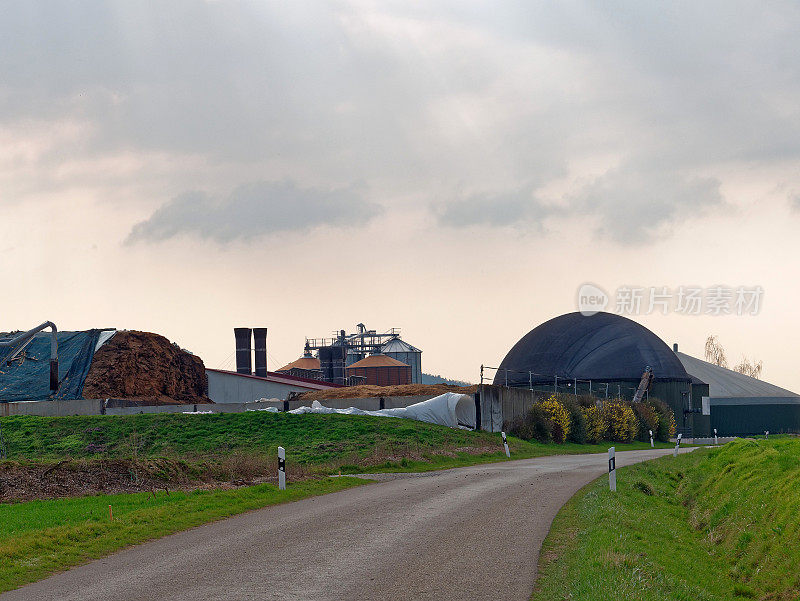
[(40, 537), (317, 443), (714, 524)]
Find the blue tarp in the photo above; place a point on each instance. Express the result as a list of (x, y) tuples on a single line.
[(28, 376)]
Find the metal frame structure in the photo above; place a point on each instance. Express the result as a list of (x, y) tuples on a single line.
[(22, 340), (363, 342)]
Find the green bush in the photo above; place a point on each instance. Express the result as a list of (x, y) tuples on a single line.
[(666, 419), (577, 431), (536, 424), (648, 420)]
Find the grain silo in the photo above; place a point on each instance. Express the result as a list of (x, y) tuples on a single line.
[(410, 355)]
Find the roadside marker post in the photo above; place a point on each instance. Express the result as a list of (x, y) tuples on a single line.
[(652, 444), (716, 440), (281, 468), (110, 514), (766, 434), (612, 470), (505, 444), (677, 444)]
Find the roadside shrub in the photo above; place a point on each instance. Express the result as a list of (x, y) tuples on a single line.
[(666, 419), (596, 423), (622, 423), (577, 427), (648, 420), (559, 416), (535, 424)]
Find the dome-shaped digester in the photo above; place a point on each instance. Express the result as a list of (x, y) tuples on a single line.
[(603, 347)]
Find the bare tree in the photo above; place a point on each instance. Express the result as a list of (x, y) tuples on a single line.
[(714, 352), (750, 369)]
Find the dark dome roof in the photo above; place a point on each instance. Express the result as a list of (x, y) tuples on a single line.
[(603, 347)]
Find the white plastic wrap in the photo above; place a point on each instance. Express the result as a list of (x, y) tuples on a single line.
[(449, 409)]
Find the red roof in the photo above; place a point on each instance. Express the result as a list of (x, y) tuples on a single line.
[(301, 363), (377, 361), (284, 379)]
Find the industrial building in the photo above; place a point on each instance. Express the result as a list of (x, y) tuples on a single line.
[(380, 370), (335, 356), (607, 355), (739, 404), (246, 384)]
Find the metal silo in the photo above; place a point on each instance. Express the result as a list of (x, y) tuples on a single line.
[(406, 353)]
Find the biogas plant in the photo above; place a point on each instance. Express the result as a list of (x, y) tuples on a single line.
[(603, 355)]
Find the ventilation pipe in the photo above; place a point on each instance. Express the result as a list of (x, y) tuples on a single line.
[(243, 363), (24, 339), (260, 340)]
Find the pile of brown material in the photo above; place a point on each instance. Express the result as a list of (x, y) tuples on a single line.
[(360, 392), (25, 481), (144, 366)]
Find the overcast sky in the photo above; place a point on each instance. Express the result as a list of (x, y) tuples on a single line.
[(454, 169)]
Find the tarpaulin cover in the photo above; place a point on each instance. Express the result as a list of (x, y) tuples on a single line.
[(28, 376), (449, 409), (603, 347)]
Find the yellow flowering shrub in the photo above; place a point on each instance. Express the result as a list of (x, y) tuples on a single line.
[(596, 423), (560, 416), (622, 423)]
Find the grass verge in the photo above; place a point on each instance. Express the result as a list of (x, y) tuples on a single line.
[(39, 538), (711, 525)]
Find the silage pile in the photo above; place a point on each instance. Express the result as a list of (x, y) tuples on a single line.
[(145, 367)]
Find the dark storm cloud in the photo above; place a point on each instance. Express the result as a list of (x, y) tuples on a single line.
[(252, 211)]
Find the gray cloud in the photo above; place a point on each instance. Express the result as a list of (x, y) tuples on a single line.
[(415, 100), (630, 205), (254, 210), (518, 209), (633, 205)]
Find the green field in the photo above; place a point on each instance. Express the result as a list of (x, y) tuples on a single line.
[(714, 524), (321, 443), (41, 537)]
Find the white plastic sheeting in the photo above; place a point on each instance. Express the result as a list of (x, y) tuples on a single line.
[(449, 409)]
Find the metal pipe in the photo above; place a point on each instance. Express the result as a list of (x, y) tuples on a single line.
[(25, 338)]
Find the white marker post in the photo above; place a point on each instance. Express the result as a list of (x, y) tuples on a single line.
[(652, 444), (766, 434), (281, 468), (677, 444), (716, 440), (505, 444), (612, 470)]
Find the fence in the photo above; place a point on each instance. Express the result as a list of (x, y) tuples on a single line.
[(553, 383)]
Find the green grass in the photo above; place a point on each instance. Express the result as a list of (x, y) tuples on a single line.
[(38, 538), (715, 524), (329, 442)]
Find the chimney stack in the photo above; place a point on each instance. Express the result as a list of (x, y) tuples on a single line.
[(243, 337), (260, 339), (675, 347)]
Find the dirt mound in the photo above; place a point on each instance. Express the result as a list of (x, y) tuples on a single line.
[(145, 367), (360, 392)]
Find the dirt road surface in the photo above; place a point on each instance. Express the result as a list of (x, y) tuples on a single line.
[(469, 533)]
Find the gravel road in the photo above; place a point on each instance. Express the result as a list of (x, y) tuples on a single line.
[(467, 533)]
